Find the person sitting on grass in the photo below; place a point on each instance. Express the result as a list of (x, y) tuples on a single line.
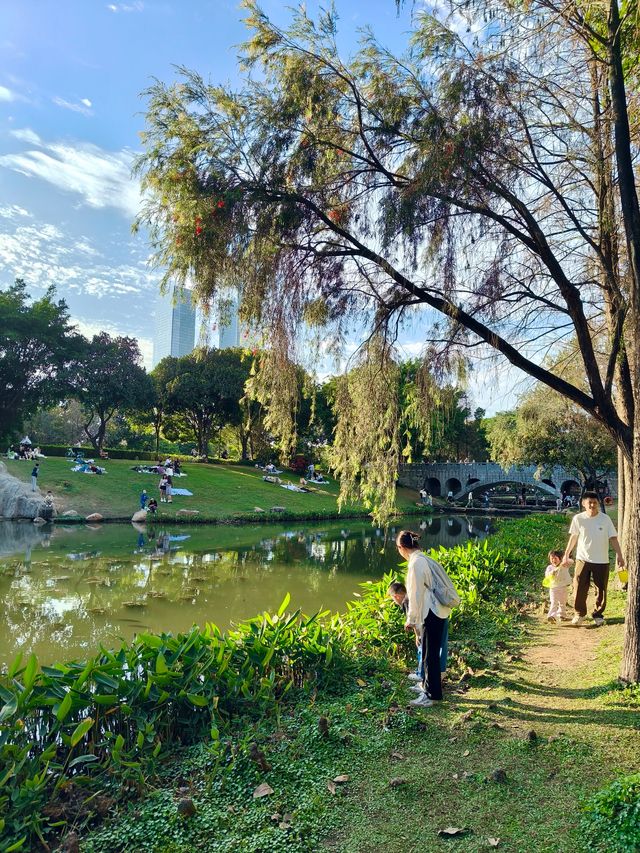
[(152, 506)]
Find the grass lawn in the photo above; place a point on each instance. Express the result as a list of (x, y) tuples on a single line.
[(508, 759), (220, 492), (553, 721)]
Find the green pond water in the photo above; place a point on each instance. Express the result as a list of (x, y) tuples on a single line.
[(67, 589)]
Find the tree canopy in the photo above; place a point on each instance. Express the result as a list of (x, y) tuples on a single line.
[(38, 348), (110, 378), (486, 175)]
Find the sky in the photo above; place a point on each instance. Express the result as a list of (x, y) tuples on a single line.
[(72, 74)]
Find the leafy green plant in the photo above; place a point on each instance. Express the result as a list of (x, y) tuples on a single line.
[(611, 818)]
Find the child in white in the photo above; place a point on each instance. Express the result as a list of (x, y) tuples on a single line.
[(559, 581)]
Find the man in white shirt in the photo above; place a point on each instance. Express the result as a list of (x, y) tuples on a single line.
[(592, 531)]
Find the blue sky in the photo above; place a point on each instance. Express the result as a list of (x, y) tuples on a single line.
[(71, 78)]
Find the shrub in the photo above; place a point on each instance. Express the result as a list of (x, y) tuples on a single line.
[(113, 452), (611, 818)]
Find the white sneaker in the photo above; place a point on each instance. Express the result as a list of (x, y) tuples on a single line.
[(413, 676), (598, 621), (416, 688), (577, 620), (422, 701)]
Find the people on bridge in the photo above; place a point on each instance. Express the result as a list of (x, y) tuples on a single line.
[(593, 532)]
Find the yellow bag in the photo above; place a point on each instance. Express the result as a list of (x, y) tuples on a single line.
[(623, 575)]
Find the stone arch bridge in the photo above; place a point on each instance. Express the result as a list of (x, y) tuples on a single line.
[(439, 478)]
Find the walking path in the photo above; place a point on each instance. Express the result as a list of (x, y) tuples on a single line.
[(510, 757)]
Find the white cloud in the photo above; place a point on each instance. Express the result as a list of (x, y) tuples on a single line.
[(6, 94), (101, 178), (81, 107), (136, 6), (43, 255), (86, 102), (12, 211), (26, 135)]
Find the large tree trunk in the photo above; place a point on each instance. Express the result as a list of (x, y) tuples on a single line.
[(630, 670)]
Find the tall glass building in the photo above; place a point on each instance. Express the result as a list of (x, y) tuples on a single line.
[(175, 326)]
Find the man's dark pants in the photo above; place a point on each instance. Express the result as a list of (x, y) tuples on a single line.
[(585, 574)]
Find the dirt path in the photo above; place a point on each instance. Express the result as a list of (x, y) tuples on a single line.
[(564, 647)]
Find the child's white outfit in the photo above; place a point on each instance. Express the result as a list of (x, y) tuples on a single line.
[(558, 591)]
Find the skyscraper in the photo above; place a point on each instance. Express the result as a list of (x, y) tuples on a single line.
[(229, 321), (175, 325)]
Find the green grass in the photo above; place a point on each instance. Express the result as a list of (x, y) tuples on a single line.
[(220, 492)]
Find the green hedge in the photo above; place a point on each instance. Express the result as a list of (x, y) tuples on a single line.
[(113, 452)]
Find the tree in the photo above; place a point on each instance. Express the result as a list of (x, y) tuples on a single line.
[(38, 347), (204, 394), (545, 430), (489, 178), (110, 379)]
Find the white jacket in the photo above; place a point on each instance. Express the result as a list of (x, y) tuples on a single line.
[(420, 592)]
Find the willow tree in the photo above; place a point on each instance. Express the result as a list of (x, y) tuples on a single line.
[(486, 175)]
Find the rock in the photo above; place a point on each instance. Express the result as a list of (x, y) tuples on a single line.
[(186, 807), (188, 512), (17, 500), (498, 775), (71, 513), (396, 783), (95, 516), (70, 844), (278, 509), (140, 515), (39, 520), (258, 509)]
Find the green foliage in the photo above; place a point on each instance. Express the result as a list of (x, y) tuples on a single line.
[(38, 349), (199, 393), (611, 818), (110, 378), (547, 430)]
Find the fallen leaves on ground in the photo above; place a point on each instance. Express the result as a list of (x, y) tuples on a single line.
[(263, 790), (453, 831)]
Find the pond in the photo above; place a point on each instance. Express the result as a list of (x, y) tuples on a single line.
[(68, 589)]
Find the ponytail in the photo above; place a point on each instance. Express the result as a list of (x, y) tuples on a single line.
[(408, 539)]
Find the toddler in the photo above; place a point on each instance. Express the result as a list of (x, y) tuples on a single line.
[(558, 580)]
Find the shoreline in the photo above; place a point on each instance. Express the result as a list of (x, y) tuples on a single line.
[(271, 517)]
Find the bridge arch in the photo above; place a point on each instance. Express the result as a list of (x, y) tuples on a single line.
[(453, 485), (432, 485), (485, 485), (570, 487)]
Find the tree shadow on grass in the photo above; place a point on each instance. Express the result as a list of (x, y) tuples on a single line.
[(519, 712)]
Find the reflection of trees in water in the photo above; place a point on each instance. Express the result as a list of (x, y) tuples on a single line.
[(73, 602)]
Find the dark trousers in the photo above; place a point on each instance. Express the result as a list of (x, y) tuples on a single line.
[(432, 631), (585, 574)]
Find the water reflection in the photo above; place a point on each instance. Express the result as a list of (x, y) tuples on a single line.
[(68, 589)]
